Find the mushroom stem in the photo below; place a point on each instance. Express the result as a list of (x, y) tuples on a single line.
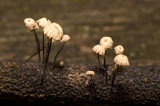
[(117, 68), (104, 58), (101, 66), (104, 65), (104, 70), (35, 53), (94, 86), (46, 59), (99, 61), (43, 47), (38, 45), (58, 54)]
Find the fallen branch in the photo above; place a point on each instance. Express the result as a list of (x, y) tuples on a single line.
[(135, 85)]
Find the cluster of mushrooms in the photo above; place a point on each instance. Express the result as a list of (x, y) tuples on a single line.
[(120, 60), (53, 32)]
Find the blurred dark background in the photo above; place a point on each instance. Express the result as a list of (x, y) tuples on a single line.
[(135, 24)]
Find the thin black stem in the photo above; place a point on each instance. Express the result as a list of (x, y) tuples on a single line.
[(43, 47), (104, 69), (104, 57), (35, 54), (113, 78), (38, 45), (94, 86), (58, 53), (46, 59), (99, 61)]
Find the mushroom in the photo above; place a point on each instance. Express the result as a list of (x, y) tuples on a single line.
[(53, 32), (98, 49), (36, 53), (120, 61), (43, 22), (33, 26), (106, 43), (61, 63), (64, 39), (119, 49), (91, 74)]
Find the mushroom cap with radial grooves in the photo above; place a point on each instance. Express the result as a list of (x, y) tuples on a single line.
[(121, 60), (65, 38), (99, 49), (43, 22), (106, 42), (31, 24), (53, 31), (119, 49)]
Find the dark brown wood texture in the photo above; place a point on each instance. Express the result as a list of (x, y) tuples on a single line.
[(134, 85)]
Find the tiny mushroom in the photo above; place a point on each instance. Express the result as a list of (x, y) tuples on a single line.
[(90, 73), (61, 63), (120, 60), (65, 38), (106, 42), (119, 49), (43, 22), (99, 49), (53, 31), (31, 24)]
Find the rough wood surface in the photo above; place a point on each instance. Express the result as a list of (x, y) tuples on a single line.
[(134, 85)]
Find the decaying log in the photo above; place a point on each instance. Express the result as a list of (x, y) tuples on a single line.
[(134, 85)]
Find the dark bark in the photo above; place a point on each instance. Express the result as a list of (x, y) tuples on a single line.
[(134, 85)]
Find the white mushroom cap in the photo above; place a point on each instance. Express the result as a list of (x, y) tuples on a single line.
[(43, 22), (119, 49), (53, 31), (90, 73), (65, 38), (99, 49), (31, 24), (106, 42), (61, 63), (121, 60)]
